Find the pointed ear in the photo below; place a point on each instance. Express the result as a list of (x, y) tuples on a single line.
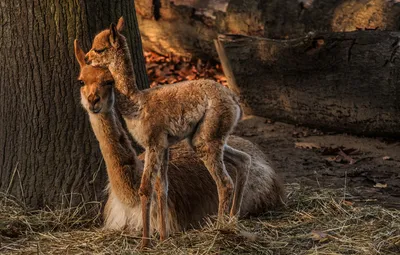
[(113, 35), (121, 23), (79, 54)]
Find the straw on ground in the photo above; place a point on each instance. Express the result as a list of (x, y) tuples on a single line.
[(314, 222)]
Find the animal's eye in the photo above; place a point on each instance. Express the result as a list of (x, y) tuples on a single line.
[(100, 51), (81, 83), (108, 83)]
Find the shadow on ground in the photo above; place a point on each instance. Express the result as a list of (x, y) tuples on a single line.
[(368, 168)]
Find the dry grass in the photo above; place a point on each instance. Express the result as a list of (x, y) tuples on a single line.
[(314, 222)]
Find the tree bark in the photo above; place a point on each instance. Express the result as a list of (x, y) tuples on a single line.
[(188, 27), (346, 82), (48, 153)]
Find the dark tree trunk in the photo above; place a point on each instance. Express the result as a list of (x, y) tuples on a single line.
[(338, 81), (188, 27), (47, 149)]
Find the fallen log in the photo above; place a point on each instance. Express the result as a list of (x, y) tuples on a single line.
[(348, 82), (188, 27)]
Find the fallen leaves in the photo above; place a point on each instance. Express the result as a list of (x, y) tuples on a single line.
[(342, 154), (337, 150), (305, 145), (338, 154), (171, 69)]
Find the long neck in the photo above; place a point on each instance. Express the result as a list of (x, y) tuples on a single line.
[(125, 81), (123, 167)]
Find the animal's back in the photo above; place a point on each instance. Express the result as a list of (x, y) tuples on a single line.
[(178, 109), (180, 91)]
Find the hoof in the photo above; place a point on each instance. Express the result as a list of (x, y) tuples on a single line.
[(145, 244)]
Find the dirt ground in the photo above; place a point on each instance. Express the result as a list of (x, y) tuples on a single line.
[(368, 168)]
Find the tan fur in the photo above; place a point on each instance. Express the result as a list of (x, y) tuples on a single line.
[(203, 111), (193, 195), (192, 191)]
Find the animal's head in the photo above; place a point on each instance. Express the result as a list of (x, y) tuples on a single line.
[(97, 85), (105, 45)]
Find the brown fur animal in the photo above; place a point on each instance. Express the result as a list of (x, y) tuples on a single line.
[(203, 112), (192, 191)]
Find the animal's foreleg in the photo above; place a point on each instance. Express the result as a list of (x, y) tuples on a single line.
[(152, 161), (162, 196)]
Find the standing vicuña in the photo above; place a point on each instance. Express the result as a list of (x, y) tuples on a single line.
[(192, 191), (203, 111)]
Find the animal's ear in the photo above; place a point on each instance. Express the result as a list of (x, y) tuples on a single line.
[(113, 35), (79, 54), (120, 24)]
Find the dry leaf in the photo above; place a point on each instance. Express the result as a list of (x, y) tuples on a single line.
[(220, 77), (320, 236), (161, 79), (153, 84), (347, 158), (151, 65), (166, 71), (336, 150), (171, 80), (380, 185), (331, 159), (348, 203), (191, 77), (305, 145)]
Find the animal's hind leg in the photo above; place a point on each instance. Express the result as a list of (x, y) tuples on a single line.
[(211, 155), (208, 141), (242, 161)]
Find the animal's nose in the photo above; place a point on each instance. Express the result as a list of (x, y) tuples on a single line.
[(93, 99)]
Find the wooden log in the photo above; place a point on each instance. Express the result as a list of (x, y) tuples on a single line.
[(348, 82), (188, 27)]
